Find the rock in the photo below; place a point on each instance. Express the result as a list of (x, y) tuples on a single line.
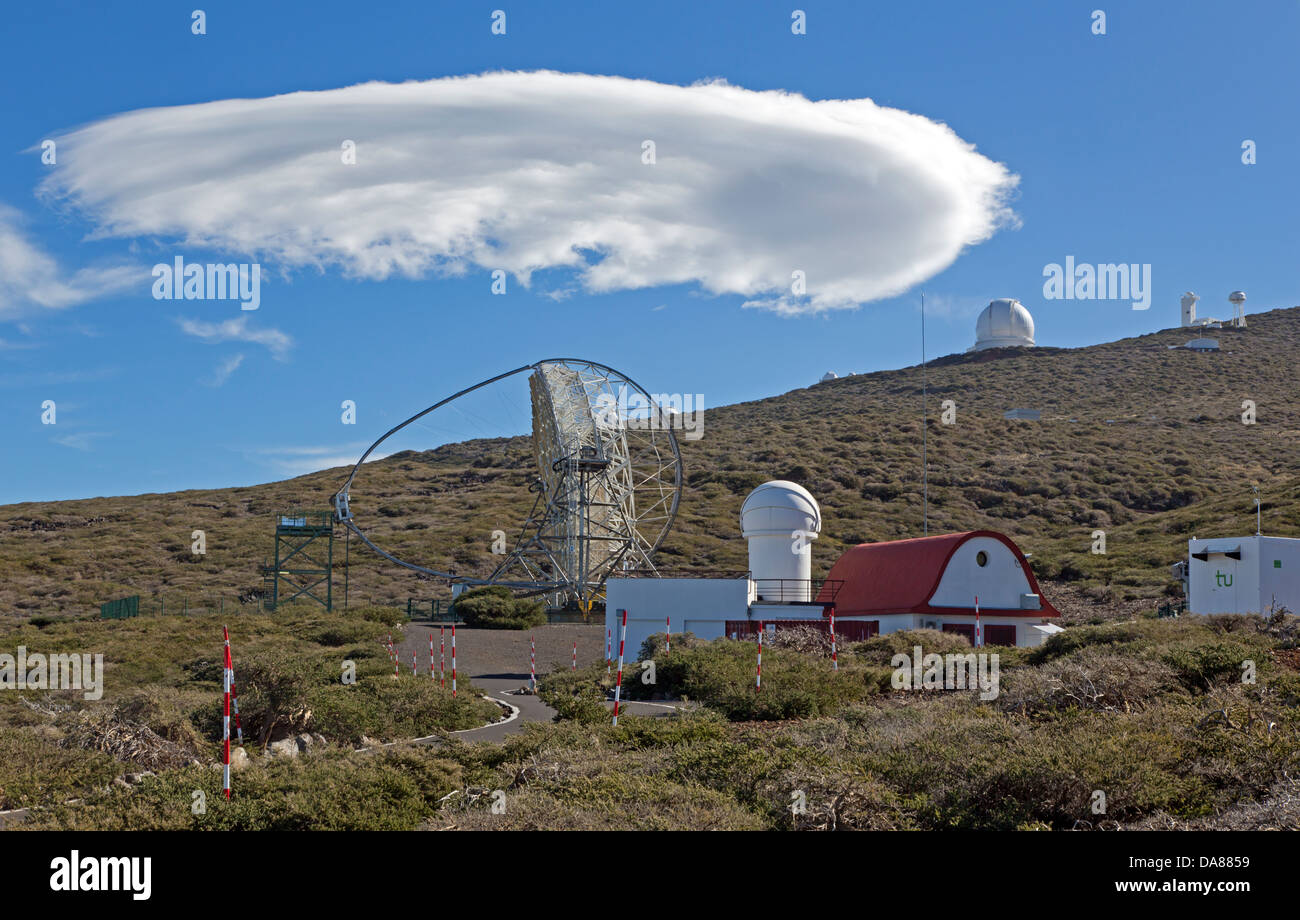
[(285, 747), (239, 758)]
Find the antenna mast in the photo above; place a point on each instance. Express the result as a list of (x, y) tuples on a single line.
[(925, 466)]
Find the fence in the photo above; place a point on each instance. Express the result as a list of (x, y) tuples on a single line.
[(438, 611), (120, 609), (1171, 609), (175, 605)]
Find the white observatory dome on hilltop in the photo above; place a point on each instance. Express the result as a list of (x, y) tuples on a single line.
[(1004, 323)]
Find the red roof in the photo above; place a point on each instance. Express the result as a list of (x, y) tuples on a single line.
[(900, 576)]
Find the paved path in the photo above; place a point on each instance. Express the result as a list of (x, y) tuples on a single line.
[(496, 660)]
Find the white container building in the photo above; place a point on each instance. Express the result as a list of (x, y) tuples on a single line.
[(1253, 574)]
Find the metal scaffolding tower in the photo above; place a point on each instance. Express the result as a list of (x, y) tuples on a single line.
[(298, 570)]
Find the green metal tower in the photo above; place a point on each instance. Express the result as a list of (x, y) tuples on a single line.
[(300, 539)]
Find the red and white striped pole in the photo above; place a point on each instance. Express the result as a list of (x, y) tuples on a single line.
[(413, 666), (979, 633), (618, 687), (575, 654), (442, 656), (758, 678), (532, 662), (668, 634), (226, 679), (835, 661), (431, 671), (234, 694), (453, 659)]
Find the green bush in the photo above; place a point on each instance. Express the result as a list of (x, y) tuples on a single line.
[(721, 675), (329, 790), (494, 607), (879, 650), (1203, 665)]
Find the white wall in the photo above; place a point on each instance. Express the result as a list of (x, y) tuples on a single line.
[(1025, 634), (1220, 584), (698, 605), (999, 583)]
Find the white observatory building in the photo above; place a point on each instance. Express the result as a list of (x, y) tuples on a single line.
[(925, 583), (780, 563), (1004, 323), (1237, 299)]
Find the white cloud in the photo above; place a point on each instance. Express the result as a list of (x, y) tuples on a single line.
[(223, 370), (81, 440), (237, 330), (530, 171), (31, 278), (298, 461)]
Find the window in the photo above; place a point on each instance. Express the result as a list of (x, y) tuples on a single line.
[(981, 559)]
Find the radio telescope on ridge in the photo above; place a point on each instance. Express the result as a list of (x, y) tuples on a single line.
[(608, 483)]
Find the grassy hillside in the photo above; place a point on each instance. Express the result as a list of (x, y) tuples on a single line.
[(1142, 441)]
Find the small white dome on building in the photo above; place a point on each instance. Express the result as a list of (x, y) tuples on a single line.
[(780, 565), (830, 375), (1003, 323), (779, 507)]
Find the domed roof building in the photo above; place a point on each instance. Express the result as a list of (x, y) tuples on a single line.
[(1004, 323)]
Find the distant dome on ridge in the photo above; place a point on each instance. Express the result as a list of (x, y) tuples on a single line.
[(1004, 323), (829, 375)]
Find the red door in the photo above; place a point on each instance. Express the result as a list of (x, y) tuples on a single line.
[(1000, 635), (966, 629)]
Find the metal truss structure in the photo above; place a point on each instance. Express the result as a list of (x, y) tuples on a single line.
[(609, 480)]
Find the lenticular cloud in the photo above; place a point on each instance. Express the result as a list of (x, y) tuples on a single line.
[(532, 171)]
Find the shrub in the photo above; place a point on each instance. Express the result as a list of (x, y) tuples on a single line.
[(1091, 679), (1202, 665), (494, 607), (879, 650), (721, 674), (329, 790)]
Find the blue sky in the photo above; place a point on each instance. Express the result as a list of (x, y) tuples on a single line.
[(1127, 147)]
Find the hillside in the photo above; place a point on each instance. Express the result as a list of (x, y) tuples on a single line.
[(1142, 441)]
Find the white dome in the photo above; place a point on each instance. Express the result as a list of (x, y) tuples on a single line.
[(1004, 322), (780, 507), (830, 375)]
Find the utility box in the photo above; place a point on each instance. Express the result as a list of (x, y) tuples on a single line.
[(1243, 575)]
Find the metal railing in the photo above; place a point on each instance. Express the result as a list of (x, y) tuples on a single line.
[(818, 591)]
